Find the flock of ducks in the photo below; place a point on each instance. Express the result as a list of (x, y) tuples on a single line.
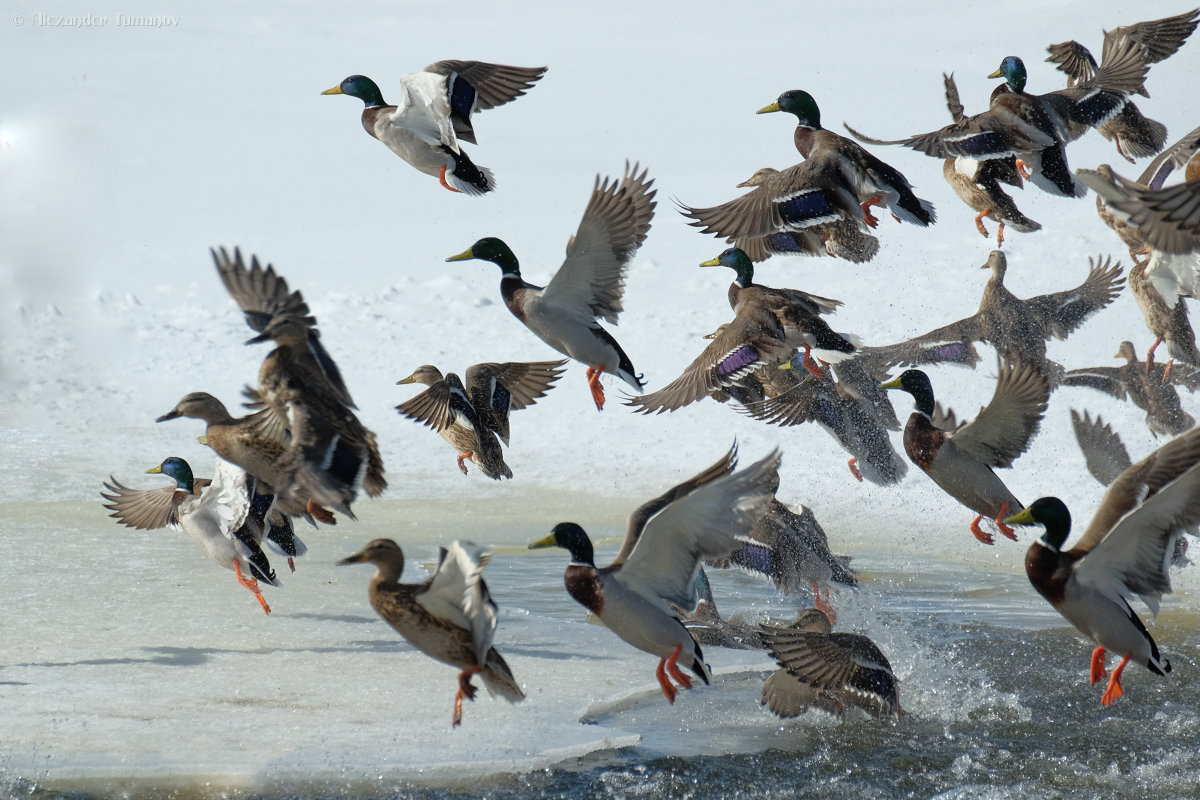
[(302, 451)]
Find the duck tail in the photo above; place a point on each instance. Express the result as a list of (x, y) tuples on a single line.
[(913, 209), (467, 177), (698, 665), (499, 680)]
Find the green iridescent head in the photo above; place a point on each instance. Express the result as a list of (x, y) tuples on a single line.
[(1048, 511), (570, 536), (362, 87), (737, 260), (178, 469), (916, 383), (800, 103), (1012, 69), (491, 249)]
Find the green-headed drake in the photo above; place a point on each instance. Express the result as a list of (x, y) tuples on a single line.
[(962, 462), (215, 514), (807, 209), (588, 286), (1124, 552), (637, 596), (1134, 134), (450, 616), (473, 417), (869, 179), (434, 114), (1036, 128)]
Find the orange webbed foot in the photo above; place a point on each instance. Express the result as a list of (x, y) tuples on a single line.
[(292, 564), (870, 219), (1167, 370), (811, 365), (320, 514), (442, 181), (664, 682), (1007, 531), (979, 222), (979, 532), (1023, 169), (1000, 234), (1097, 670), (1114, 690), (854, 470), (673, 667), (821, 601), (463, 457), (597, 388), (252, 585), (465, 689)]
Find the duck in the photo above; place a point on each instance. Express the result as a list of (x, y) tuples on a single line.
[(792, 551), (1018, 328), (248, 443), (300, 387), (869, 179), (589, 285), (1152, 390), (807, 209), (1123, 552), (829, 671), (473, 417), (977, 182), (1134, 135), (434, 115), (1036, 128), (962, 462), (636, 596), (450, 616), (856, 424), (215, 514)]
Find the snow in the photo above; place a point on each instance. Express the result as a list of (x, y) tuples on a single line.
[(127, 152)]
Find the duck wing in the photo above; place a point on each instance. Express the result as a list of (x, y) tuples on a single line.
[(591, 280), (495, 389), (1103, 450), (840, 662), (1060, 313), (457, 594), (472, 86), (702, 523), (143, 509), (1003, 430)]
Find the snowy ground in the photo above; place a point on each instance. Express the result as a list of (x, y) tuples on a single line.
[(126, 152)]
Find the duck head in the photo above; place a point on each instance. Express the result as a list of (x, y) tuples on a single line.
[(570, 536), (178, 469), (916, 383), (427, 374), (1012, 69), (800, 103), (362, 87), (1048, 511), (491, 249), (737, 260)]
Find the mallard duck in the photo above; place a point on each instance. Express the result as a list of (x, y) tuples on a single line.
[(435, 114), (215, 514), (450, 616), (1151, 390), (1036, 128), (633, 597), (1135, 135), (1123, 552), (470, 417), (300, 389), (247, 442), (792, 551), (807, 209), (826, 670), (1019, 328), (977, 183), (962, 462), (857, 425), (588, 286), (867, 178)]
